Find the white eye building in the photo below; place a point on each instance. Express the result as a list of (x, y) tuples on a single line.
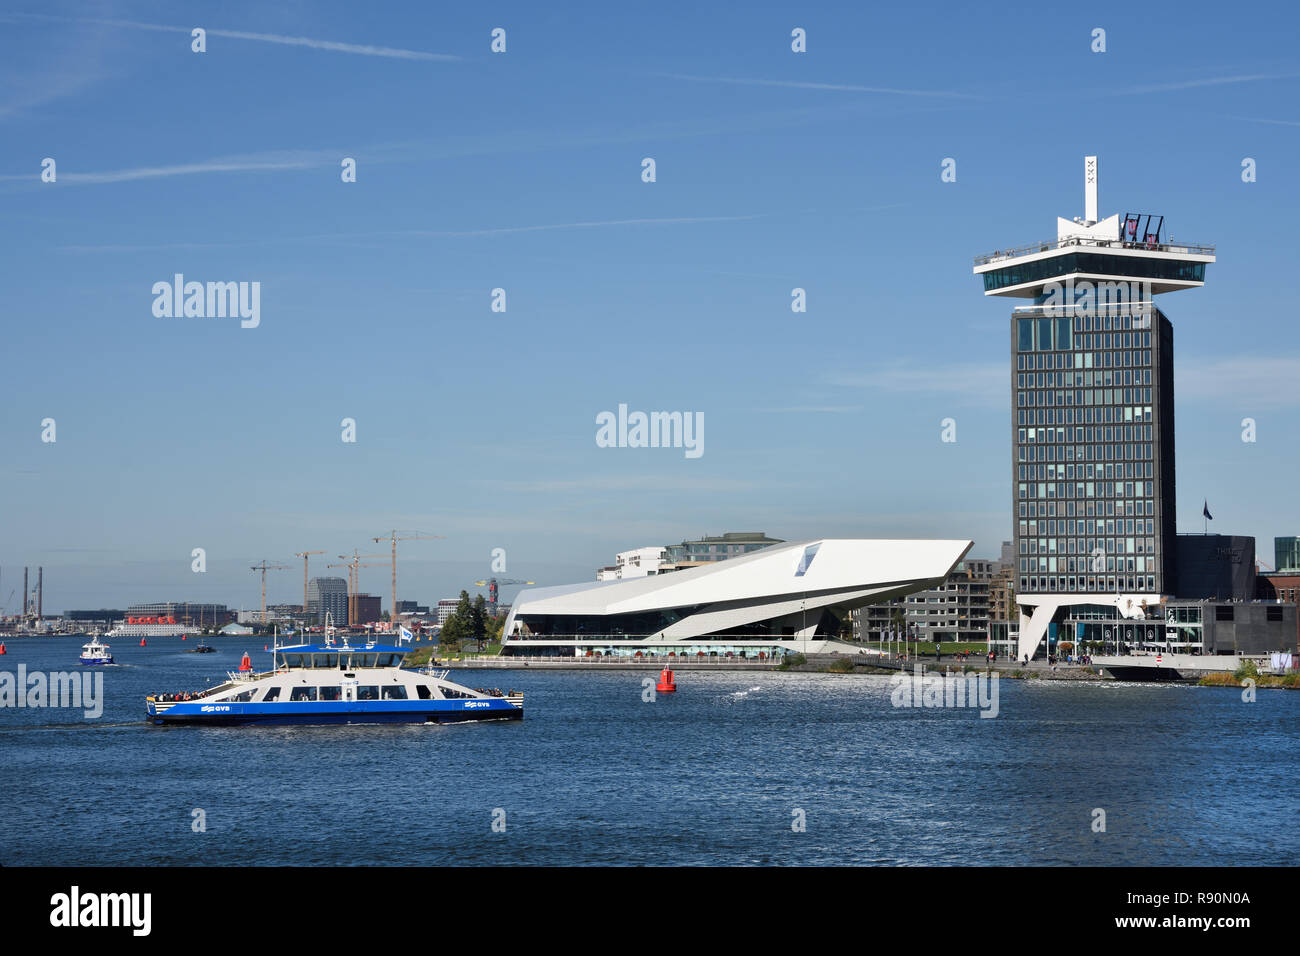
[(783, 598)]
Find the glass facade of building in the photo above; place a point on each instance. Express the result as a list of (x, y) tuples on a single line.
[(1091, 263), (1286, 554), (1093, 449)]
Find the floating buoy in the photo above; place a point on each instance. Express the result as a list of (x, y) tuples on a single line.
[(142, 643), (3, 650), (265, 647), (182, 637), (667, 683), (245, 664)]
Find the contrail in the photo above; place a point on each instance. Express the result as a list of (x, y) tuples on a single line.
[(154, 172), (804, 85), (332, 46), (1211, 81), (589, 225)]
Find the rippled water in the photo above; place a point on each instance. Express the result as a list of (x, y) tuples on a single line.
[(711, 775)]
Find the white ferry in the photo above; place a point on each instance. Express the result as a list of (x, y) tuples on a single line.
[(95, 653), (335, 683)]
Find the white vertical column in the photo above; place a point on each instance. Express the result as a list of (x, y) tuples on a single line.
[(1090, 188)]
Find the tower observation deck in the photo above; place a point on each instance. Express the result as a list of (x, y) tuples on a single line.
[(1124, 248)]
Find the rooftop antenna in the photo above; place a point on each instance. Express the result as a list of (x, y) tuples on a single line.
[(1090, 189)]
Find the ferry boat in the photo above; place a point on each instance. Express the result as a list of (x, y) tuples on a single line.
[(335, 683), (95, 653)]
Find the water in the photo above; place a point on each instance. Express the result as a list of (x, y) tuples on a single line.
[(712, 775)]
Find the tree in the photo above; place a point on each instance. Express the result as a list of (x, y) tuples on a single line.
[(478, 618), (460, 626)]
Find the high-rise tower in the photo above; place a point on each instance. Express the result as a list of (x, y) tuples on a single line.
[(1092, 391)]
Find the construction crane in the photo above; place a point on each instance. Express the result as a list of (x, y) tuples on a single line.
[(353, 582), (493, 591), (393, 537), (264, 567), (303, 555)]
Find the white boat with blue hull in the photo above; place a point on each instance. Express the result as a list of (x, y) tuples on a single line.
[(95, 653), (335, 683)]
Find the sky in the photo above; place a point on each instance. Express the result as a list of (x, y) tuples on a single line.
[(523, 171)]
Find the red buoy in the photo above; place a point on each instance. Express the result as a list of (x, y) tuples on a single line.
[(245, 664), (142, 643), (667, 683), (2, 649), (182, 637)]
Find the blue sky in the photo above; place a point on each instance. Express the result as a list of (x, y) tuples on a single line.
[(522, 171)]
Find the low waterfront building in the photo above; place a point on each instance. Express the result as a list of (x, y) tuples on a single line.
[(955, 610), (780, 598)]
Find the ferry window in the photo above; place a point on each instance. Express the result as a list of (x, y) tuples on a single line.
[(331, 693), (363, 660), (394, 693), (243, 698), (271, 694), (423, 692), (389, 660), (292, 660), (303, 693), (368, 692), (325, 660)]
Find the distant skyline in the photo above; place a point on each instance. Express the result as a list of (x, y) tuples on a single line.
[(522, 171)]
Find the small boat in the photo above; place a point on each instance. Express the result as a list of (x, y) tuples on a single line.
[(203, 647), (95, 653), (334, 683)]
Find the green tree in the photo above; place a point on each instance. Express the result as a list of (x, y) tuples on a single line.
[(478, 618), (460, 626)]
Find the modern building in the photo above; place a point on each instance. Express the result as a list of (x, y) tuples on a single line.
[(1216, 566), (955, 610), (1092, 386), (369, 609), (729, 545), (412, 607), (780, 598), (446, 608), (1286, 554), (327, 595), (637, 563)]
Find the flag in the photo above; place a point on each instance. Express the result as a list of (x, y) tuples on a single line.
[(406, 635), (1205, 510)]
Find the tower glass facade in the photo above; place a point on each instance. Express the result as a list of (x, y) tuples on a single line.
[(1093, 448)]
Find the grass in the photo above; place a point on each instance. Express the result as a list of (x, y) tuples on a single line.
[(1225, 679)]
